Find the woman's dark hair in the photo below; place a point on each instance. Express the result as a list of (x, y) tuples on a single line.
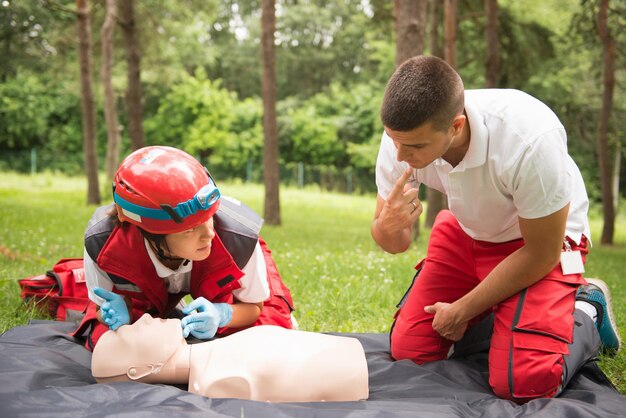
[(157, 240), (423, 89)]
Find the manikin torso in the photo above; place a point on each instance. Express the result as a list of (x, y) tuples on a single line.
[(264, 363)]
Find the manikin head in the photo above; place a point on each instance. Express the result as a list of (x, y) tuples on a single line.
[(140, 351)]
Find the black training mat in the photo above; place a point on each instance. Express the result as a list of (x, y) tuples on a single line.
[(44, 372)]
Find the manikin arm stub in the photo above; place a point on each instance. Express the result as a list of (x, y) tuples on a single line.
[(264, 363)]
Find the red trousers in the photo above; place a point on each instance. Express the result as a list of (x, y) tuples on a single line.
[(532, 329)]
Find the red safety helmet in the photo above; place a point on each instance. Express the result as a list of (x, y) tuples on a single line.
[(164, 190)]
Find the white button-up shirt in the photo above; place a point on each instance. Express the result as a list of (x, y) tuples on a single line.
[(517, 165)]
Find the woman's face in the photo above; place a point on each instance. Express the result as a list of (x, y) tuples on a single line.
[(193, 244)]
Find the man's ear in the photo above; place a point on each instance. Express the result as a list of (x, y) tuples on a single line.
[(458, 123)]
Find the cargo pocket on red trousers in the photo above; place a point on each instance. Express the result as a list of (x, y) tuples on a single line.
[(546, 308), (535, 365), (542, 329)]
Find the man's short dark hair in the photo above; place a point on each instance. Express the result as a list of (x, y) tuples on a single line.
[(422, 89)]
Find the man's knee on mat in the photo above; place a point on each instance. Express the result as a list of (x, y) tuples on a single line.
[(419, 349), (532, 369)]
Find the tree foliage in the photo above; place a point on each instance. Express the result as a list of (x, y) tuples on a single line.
[(201, 73), (203, 118), (24, 111)]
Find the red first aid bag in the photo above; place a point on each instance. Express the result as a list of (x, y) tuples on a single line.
[(62, 291)]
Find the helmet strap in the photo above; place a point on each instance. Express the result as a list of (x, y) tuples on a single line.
[(155, 241)]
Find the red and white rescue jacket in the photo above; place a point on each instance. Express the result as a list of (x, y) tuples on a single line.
[(214, 278)]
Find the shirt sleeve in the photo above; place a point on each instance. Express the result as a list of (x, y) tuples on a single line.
[(95, 276), (542, 180), (254, 286)]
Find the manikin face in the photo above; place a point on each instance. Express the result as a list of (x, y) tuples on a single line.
[(423, 145), (148, 341), (149, 329), (193, 244)]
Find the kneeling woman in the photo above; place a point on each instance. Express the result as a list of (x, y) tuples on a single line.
[(169, 234)]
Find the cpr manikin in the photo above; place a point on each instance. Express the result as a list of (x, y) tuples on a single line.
[(263, 363)]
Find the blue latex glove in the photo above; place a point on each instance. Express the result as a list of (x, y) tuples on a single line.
[(114, 311), (210, 317)]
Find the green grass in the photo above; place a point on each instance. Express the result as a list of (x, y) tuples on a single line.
[(339, 279)]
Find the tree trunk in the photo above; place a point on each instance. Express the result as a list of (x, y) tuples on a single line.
[(410, 25), (134, 94), (271, 172), (617, 162), (449, 30), (110, 114), (436, 201), (604, 159), (5, 69), (87, 103), (434, 19), (492, 64)]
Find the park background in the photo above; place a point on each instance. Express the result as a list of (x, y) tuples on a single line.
[(283, 109)]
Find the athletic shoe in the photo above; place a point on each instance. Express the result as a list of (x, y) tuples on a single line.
[(597, 294)]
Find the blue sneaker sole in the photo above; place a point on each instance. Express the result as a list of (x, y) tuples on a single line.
[(609, 308)]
